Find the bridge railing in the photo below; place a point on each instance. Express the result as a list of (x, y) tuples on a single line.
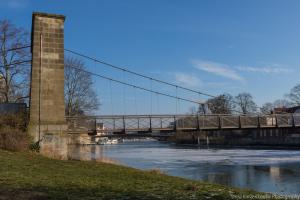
[(229, 122), (209, 121), (249, 121), (296, 118), (148, 123)]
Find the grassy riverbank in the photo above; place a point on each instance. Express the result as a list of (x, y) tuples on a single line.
[(31, 176)]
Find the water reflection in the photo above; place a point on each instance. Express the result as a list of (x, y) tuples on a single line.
[(89, 153), (276, 171)]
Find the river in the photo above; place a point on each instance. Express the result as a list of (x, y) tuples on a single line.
[(276, 171)]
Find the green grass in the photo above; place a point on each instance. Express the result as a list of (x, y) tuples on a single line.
[(31, 176)]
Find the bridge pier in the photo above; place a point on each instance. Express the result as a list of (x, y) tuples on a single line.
[(47, 123)]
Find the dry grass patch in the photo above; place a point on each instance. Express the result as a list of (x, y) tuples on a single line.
[(13, 134)]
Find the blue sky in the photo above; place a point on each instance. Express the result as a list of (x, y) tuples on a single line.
[(213, 46)]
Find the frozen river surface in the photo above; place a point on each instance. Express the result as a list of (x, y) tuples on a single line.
[(276, 171)]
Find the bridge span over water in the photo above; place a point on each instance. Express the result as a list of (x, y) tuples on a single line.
[(173, 123), (48, 123)]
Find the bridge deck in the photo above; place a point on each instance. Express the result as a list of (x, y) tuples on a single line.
[(171, 123)]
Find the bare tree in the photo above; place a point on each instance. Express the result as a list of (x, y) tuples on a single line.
[(203, 109), (245, 103), (294, 95), (282, 103), (14, 70), (222, 104), (79, 94), (267, 108)]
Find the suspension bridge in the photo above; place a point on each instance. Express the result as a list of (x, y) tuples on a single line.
[(55, 131), (147, 123), (172, 123), (47, 104)]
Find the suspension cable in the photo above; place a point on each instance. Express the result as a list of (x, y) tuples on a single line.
[(124, 95), (151, 101), (135, 100), (157, 102), (176, 101), (111, 99), (135, 73), (179, 110), (200, 106), (145, 76), (138, 87), (132, 85), (127, 71)]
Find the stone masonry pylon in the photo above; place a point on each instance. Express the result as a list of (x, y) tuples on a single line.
[(47, 106)]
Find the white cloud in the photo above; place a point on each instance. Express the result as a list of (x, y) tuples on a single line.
[(187, 79), (219, 85), (264, 70), (217, 69), (232, 72)]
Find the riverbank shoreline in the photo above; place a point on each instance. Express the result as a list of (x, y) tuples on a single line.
[(31, 176)]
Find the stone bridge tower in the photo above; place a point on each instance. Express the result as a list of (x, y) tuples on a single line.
[(47, 106)]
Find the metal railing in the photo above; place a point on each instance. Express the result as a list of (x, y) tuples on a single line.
[(150, 123)]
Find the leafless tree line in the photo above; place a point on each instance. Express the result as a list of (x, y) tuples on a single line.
[(244, 103)]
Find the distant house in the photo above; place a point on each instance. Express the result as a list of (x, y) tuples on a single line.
[(272, 121), (100, 128), (295, 109), (291, 110)]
